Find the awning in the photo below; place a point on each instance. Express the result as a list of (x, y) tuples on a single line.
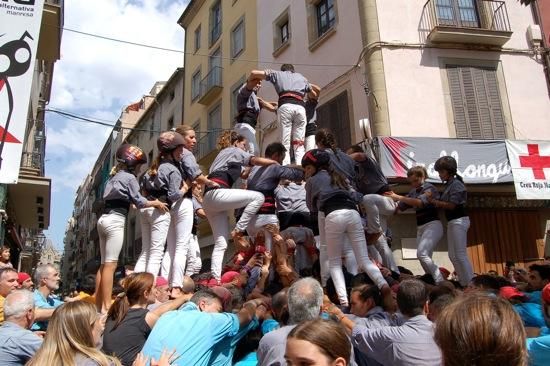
[(30, 199)]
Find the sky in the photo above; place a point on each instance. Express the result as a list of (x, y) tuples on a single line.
[(97, 78)]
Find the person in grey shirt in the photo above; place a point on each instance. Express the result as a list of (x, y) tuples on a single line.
[(265, 180), (291, 113), (17, 343), (305, 298), (248, 110), (411, 343)]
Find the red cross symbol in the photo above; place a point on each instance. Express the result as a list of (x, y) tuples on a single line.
[(535, 161)]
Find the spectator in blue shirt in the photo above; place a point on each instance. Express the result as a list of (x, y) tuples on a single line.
[(539, 347), (17, 343), (46, 278), (195, 330), (530, 313)]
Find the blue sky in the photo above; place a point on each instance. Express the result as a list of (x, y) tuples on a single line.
[(97, 78)]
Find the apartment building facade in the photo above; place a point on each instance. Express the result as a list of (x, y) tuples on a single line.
[(220, 50), (323, 40), (469, 71)]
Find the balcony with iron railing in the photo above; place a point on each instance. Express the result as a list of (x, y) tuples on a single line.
[(483, 22), (211, 86), (207, 145)]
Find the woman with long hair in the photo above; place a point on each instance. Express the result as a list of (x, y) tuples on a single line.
[(329, 192), (344, 165), (121, 191), (129, 322), (172, 182), (74, 332), (453, 202), (429, 228), (225, 170), (318, 342), (481, 330)]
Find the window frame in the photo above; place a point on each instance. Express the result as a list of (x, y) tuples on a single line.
[(279, 45), (329, 5), (236, 53), (198, 73), (197, 37), (215, 15), (501, 84)]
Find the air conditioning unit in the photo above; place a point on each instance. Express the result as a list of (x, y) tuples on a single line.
[(534, 35)]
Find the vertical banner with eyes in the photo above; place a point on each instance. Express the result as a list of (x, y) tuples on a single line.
[(19, 31)]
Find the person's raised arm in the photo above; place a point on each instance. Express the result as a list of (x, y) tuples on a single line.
[(256, 75), (270, 106), (314, 92), (259, 161), (152, 316), (248, 311)]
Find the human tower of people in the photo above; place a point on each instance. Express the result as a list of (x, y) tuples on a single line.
[(312, 279)]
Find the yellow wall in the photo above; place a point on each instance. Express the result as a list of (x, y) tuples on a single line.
[(233, 70)]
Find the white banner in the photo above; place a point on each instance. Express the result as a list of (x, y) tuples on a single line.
[(530, 162), (19, 30)]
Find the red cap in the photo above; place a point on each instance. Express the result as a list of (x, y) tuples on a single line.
[(22, 277), (161, 281), (509, 292), (546, 294), (213, 282), (229, 276), (444, 272)]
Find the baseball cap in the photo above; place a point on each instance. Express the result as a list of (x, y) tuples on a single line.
[(546, 294), (22, 277), (161, 281), (509, 292), (229, 276)]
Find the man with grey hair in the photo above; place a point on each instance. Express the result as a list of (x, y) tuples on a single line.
[(305, 298), (46, 279), (17, 343)]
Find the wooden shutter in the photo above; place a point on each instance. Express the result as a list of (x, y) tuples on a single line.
[(334, 115), (476, 104)]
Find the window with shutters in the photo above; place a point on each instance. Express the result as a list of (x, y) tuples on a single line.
[(334, 115), (476, 102)]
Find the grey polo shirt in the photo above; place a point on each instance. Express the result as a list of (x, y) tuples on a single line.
[(124, 186), (272, 348), (286, 81), (17, 344), (410, 344), (247, 99)]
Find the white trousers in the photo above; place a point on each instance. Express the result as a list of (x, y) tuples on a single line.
[(110, 228), (292, 121), (309, 145), (378, 209), (342, 223), (216, 203), (257, 224), (154, 231), (348, 254), (248, 132), (457, 242), (194, 261), (177, 242), (427, 237)]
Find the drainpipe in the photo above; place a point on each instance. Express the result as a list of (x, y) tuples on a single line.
[(375, 86)]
